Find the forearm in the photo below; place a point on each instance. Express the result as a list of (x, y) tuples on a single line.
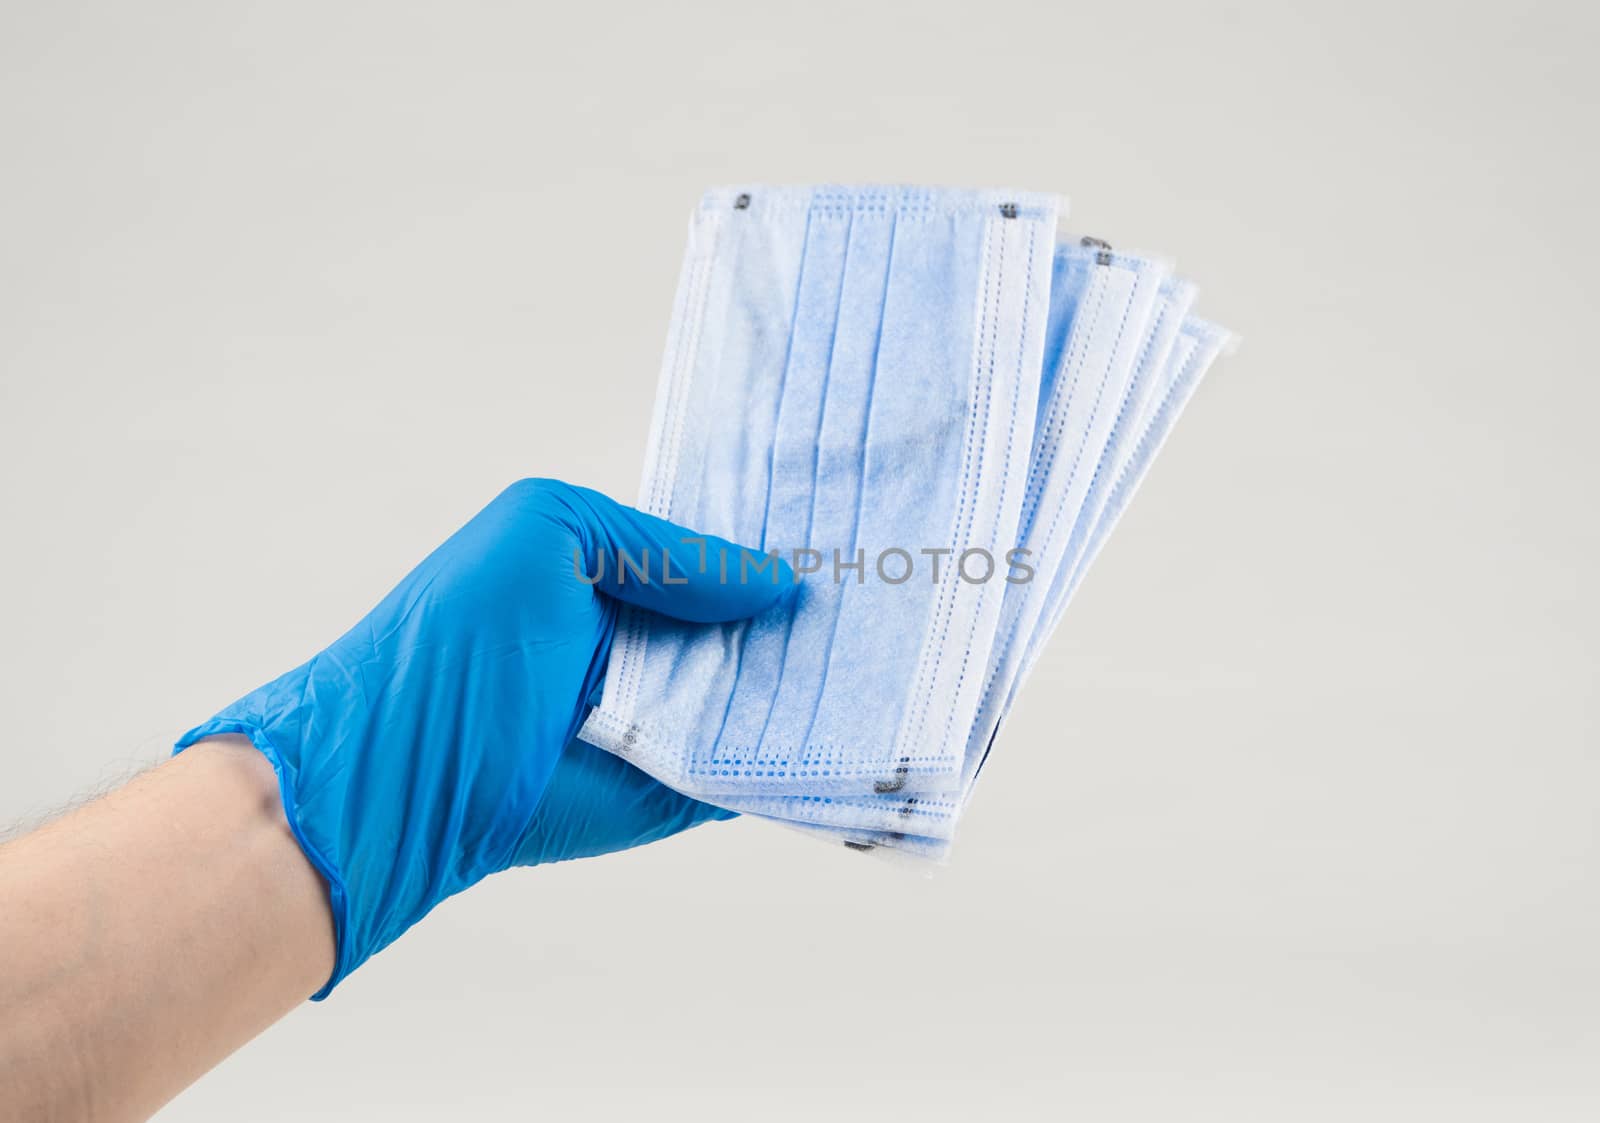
[(147, 935)]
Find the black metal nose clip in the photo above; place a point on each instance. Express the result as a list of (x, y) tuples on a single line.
[(884, 787)]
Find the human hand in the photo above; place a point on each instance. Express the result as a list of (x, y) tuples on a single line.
[(433, 743)]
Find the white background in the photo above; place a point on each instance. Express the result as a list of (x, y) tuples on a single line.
[(1297, 820)]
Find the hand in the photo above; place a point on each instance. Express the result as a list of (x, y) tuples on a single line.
[(432, 744)]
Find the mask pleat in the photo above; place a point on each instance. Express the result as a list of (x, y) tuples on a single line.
[(788, 747), (791, 482)]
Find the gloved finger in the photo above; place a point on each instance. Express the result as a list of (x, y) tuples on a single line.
[(597, 803), (666, 568)]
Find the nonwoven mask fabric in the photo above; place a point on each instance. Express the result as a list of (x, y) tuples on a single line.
[(851, 381)]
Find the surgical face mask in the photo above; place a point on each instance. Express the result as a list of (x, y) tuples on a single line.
[(852, 373)]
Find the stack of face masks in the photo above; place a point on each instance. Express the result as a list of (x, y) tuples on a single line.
[(935, 412)]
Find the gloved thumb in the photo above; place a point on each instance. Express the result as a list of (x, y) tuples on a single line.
[(655, 564)]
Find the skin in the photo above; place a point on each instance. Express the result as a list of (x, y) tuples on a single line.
[(148, 934)]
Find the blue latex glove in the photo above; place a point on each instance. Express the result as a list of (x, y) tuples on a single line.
[(432, 744)]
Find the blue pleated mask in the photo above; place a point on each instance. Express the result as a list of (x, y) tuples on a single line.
[(853, 373)]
